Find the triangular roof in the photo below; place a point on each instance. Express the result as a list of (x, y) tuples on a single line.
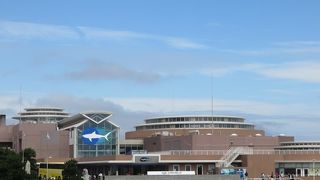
[(81, 118)]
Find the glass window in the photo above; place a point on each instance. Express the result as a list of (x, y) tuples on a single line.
[(102, 146), (187, 167), (176, 167)]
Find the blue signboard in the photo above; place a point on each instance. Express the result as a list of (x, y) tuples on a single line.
[(93, 136)]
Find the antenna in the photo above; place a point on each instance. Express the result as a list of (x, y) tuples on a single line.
[(212, 125), (20, 102), (211, 94)]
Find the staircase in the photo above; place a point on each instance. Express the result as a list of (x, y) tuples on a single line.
[(232, 155)]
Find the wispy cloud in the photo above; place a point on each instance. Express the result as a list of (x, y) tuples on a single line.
[(290, 47), (298, 43), (98, 70), (181, 43), (10, 30), (176, 42), (301, 71), (167, 105), (306, 71)]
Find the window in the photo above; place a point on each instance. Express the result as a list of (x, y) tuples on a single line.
[(176, 167), (187, 167), (211, 168)]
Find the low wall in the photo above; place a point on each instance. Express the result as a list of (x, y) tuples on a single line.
[(182, 177)]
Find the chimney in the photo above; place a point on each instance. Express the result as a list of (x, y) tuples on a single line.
[(2, 120)]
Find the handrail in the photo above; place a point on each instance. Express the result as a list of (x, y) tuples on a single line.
[(268, 178), (247, 151)]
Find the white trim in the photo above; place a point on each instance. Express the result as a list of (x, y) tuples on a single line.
[(74, 126), (103, 162), (84, 114), (190, 161)]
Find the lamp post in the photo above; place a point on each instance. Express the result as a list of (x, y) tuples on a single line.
[(314, 171), (22, 149), (48, 166)]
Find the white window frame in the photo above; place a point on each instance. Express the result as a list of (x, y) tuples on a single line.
[(200, 165), (174, 167), (187, 165)]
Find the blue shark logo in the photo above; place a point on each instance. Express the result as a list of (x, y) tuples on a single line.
[(93, 136)]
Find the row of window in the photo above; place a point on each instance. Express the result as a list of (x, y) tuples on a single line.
[(315, 165), (44, 113), (129, 148), (96, 147), (179, 119), (301, 144), (188, 167), (207, 125), (90, 153)]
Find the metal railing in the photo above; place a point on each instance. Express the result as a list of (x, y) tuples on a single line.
[(191, 152), (268, 178), (244, 151)]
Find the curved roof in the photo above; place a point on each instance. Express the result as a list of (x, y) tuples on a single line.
[(43, 108), (195, 122), (177, 116)]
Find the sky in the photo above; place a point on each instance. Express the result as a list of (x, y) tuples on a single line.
[(259, 60)]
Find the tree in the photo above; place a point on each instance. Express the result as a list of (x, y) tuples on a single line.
[(30, 155), (70, 170), (11, 166)]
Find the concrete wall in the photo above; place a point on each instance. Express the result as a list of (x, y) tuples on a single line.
[(182, 177), (25, 135)]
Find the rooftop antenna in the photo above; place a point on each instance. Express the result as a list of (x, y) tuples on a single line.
[(20, 102), (212, 103), (211, 94)]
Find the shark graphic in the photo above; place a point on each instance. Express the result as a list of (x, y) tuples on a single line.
[(94, 135)]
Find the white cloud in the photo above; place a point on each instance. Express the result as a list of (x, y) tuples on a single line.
[(9, 29), (306, 71), (183, 43), (23, 30), (298, 43), (98, 33), (289, 47), (166, 105), (176, 42), (298, 120), (301, 71)]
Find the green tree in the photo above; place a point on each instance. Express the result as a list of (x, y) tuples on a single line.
[(30, 155), (11, 166), (70, 170)]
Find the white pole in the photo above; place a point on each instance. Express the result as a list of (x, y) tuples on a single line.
[(314, 171), (47, 167)]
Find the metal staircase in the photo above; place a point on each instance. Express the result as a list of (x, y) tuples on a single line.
[(232, 155)]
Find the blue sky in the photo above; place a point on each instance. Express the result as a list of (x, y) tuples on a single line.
[(259, 60)]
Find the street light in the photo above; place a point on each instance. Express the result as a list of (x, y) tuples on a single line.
[(22, 149), (314, 171), (48, 166)]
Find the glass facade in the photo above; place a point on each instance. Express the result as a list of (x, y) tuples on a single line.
[(95, 140)]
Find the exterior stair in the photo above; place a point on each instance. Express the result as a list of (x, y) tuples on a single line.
[(232, 155)]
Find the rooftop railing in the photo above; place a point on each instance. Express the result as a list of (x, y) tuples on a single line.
[(246, 151)]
